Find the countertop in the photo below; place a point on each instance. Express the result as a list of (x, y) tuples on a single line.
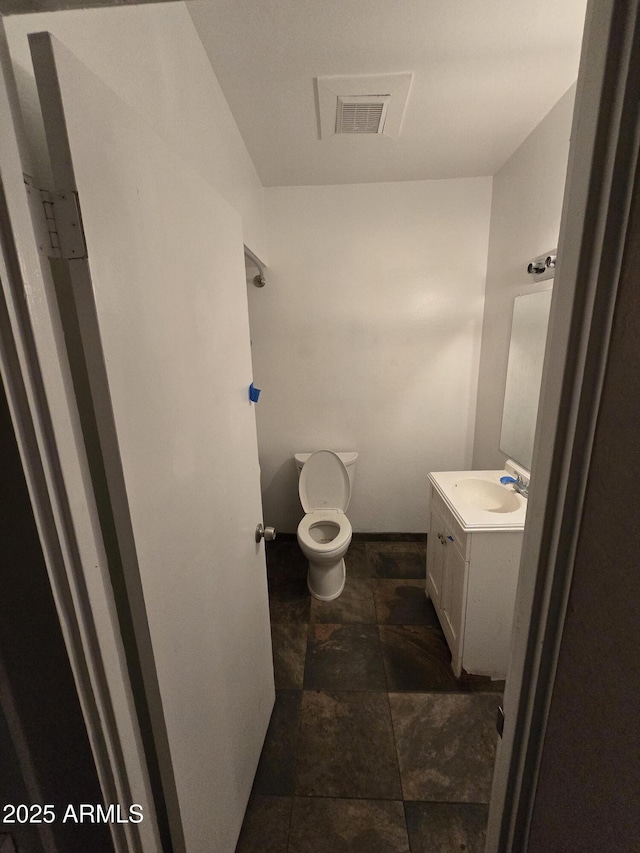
[(470, 517)]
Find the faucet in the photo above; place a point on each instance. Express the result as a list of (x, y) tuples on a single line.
[(519, 484)]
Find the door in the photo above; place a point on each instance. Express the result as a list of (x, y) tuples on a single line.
[(435, 556), (453, 599), (155, 315)]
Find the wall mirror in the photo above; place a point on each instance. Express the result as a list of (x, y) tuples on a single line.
[(524, 375)]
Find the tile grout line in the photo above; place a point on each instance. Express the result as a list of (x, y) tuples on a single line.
[(290, 823), (297, 741), (395, 746), (393, 731)]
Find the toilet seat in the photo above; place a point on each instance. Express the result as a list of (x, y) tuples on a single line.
[(341, 539), (324, 483)]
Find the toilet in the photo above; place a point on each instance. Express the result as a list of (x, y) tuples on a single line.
[(324, 534)]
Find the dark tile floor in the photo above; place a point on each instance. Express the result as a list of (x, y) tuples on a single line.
[(374, 746)]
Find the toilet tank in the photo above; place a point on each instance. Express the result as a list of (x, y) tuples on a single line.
[(348, 458)]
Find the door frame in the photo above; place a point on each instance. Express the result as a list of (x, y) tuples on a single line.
[(39, 391), (603, 158)]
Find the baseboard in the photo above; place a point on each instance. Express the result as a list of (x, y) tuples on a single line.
[(389, 537), (368, 537)]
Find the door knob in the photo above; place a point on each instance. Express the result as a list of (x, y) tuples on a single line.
[(266, 533)]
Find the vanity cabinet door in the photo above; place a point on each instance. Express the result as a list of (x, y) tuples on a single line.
[(435, 556), (446, 582), (453, 598)]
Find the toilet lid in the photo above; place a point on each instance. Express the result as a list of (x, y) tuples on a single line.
[(324, 482)]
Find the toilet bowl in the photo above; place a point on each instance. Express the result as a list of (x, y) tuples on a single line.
[(324, 534)]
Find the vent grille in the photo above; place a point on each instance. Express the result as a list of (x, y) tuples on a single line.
[(361, 114), (372, 105)]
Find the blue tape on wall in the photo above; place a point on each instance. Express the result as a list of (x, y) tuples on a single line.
[(254, 393)]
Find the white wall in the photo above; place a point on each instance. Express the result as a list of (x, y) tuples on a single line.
[(367, 338), (525, 222), (377, 241), (152, 57)]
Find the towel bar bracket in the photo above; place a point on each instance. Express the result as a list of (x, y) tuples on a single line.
[(259, 280)]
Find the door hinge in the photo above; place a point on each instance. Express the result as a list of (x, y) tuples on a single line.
[(500, 720), (57, 222)]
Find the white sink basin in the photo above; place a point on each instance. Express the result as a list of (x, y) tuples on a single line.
[(485, 495)]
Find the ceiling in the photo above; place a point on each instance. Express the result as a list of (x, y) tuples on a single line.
[(484, 75)]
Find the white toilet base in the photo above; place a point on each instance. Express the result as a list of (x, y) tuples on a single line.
[(326, 581)]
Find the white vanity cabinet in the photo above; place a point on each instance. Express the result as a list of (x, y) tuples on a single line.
[(446, 576), (472, 576)]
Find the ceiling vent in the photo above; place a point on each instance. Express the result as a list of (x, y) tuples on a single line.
[(362, 114), (372, 104)]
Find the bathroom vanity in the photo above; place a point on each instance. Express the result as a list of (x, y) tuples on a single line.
[(473, 556)]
